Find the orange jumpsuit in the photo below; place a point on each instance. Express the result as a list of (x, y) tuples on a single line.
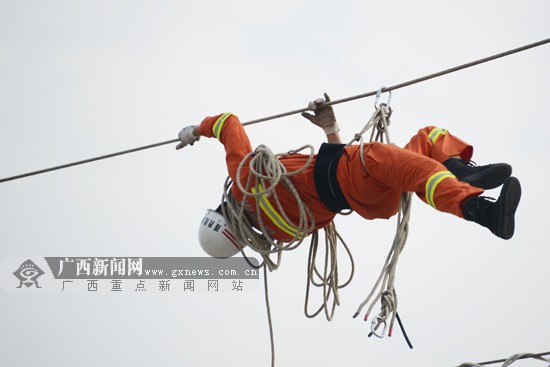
[(372, 191)]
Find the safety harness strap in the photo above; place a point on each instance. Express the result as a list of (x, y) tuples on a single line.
[(324, 174)]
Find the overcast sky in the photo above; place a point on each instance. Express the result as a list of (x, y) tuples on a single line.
[(84, 78)]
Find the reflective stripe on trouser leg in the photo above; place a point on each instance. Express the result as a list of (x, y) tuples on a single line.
[(274, 216), (431, 185), (435, 134), (218, 125)]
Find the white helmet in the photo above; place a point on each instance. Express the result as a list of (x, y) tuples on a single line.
[(215, 237)]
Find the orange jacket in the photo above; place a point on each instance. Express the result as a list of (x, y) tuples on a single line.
[(373, 191)]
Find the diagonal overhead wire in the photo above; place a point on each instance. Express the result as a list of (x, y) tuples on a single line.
[(510, 360), (293, 112)]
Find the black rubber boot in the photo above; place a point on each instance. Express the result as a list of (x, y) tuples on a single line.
[(486, 177), (497, 216)]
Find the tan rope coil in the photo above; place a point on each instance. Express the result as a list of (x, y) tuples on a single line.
[(329, 279), (266, 172)]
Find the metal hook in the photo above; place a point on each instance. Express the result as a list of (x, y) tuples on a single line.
[(378, 94), (376, 322)]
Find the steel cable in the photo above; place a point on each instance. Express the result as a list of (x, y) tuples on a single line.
[(289, 113)]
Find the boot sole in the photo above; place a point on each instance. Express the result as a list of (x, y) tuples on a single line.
[(511, 194), (491, 177)]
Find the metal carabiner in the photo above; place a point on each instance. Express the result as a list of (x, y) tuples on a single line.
[(376, 322), (378, 94)]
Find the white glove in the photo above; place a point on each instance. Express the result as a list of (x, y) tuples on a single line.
[(187, 137), (324, 116)]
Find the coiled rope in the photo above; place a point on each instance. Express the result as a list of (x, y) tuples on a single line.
[(266, 172), (329, 279)]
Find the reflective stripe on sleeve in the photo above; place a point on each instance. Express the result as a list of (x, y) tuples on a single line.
[(435, 134), (274, 216), (432, 183), (218, 125)]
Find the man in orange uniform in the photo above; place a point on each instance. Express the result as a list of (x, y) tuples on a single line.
[(434, 165)]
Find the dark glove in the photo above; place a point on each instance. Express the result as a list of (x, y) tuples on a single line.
[(323, 115)]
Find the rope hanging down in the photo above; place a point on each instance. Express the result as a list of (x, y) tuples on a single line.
[(384, 289), (328, 280), (273, 117), (266, 172)]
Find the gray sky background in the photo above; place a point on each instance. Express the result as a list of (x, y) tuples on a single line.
[(84, 78)]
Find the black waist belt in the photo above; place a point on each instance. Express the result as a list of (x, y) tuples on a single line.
[(324, 174)]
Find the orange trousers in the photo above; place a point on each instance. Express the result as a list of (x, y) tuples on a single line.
[(373, 190)]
